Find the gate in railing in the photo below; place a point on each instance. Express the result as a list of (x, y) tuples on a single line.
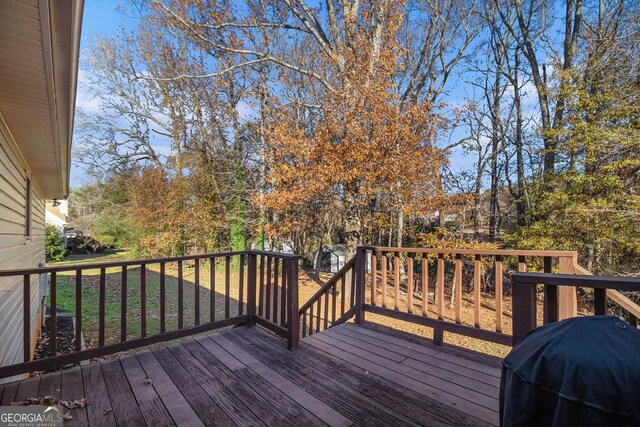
[(148, 304)]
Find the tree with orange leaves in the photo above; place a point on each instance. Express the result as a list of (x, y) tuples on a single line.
[(365, 145)]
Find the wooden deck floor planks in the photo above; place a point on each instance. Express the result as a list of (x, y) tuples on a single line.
[(346, 400), (347, 375), (409, 364)]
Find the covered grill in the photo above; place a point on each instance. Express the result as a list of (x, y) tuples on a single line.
[(580, 371)]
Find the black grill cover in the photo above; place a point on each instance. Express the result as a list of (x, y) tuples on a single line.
[(583, 371)]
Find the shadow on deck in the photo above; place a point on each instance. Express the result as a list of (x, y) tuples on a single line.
[(348, 375)]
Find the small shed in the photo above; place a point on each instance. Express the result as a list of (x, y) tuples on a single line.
[(329, 258)]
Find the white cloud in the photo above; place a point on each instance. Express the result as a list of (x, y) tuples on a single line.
[(84, 99)]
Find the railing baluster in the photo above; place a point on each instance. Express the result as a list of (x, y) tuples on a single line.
[(292, 319), (26, 318), (384, 261), (276, 276), (440, 285), (304, 324), (342, 295), (101, 307), (227, 285), (326, 310), (410, 283), (425, 285), (196, 293), (396, 280), (477, 272), (311, 319), (283, 294), (551, 307), (54, 314), (163, 291), (78, 341), (600, 301), (241, 287), (458, 286), (333, 306), (212, 289), (498, 293), (123, 304), (143, 300), (267, 302), (318, 314), (261, 295), (522, 264), (180, 296), (252, 286), (374, 279), (352, 297)]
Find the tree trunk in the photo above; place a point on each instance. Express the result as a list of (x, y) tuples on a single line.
[(352, 222), (521, 202), (495, 139)]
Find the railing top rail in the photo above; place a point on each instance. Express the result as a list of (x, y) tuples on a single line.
[(275, 254), (502, 252), (112, 264), (599, 282)]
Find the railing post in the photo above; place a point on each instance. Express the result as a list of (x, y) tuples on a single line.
[(26, 318), (360, 269), (251, 287), (293, 320), (524, 308), (567, 295)]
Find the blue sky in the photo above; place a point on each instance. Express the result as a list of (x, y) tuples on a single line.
[(100, 17)]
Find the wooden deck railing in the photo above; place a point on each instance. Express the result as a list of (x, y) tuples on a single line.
[(254, 287), (525, 297), (336, 296), (425, 286), (402, 281)]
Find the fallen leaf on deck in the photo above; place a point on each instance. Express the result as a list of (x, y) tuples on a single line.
[(44, 400), (70, 404)]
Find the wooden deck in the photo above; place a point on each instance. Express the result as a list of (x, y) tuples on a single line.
[(347, 375)]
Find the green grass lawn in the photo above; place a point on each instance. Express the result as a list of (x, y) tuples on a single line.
[(90, 296)]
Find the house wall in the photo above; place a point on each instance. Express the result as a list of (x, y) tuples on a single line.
[(16, 250)]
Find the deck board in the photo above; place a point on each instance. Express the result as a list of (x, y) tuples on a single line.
[(346, 375), (404, 403), (151, 406), (177, 406), (299, 395), (72, 388), (9, 393), (407, 378), (206, 408), (332, 392), (99, 410), (126, 412), (453, 364), (468, 380)]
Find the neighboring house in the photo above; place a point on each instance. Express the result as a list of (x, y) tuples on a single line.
[(56, 212), (39, 45)]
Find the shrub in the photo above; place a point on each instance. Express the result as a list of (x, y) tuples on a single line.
[(53, 243)]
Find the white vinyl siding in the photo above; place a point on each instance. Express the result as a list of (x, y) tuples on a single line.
[(16, 251)]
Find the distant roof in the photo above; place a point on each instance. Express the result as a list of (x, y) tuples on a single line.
[(339, 249), (39, 45)]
